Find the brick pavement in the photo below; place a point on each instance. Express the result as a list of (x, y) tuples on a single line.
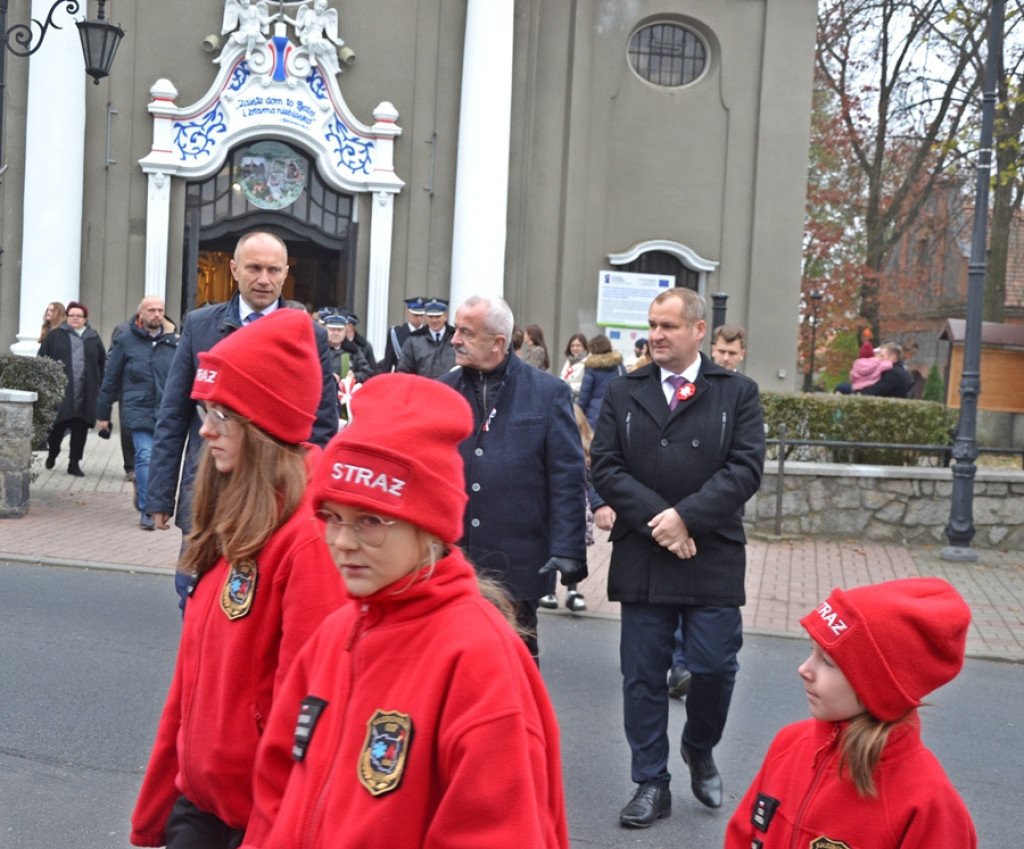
[(90, 522)]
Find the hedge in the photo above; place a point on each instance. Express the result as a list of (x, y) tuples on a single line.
[(856, 418), (43, 376)]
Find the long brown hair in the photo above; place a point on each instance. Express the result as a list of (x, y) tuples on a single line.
[(235, 513), (536, 335), (59, 314), (861, 750)]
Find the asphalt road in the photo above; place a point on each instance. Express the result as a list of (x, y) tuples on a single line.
[(86, 656)]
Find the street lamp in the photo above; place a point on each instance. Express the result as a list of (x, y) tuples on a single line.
[(100, 38), (960, 530), (815, 299)]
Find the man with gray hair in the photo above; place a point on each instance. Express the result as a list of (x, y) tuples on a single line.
[(524, 466)]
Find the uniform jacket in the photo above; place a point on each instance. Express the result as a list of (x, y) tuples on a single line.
[(423, 356), (57, 346), (227, 678), (705, 459), (135, 376), (525, 477), (177, 418), (916, 806), (472, 758), (599, 371), (397, 334)]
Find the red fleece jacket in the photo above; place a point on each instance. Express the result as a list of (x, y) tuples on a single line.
[(227, 677), (471, 755), (916, 806)]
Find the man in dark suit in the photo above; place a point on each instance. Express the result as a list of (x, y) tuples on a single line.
[(525, 472), (678, 450), (414, 313)]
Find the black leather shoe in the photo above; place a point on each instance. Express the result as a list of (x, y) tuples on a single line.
[(51, 461), (679, 682), (705, 781), (650, 802), (76, 470)]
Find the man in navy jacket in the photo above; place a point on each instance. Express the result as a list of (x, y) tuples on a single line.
[(259, 266), (678, 450), (525, 471)]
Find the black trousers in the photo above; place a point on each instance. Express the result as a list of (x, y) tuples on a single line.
[(526, 619), (713, 637), (79, 430), (190, 828)]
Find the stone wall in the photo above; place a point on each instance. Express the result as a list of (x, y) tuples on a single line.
[(887, 503), (15, 451)]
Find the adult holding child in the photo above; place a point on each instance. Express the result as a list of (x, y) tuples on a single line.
[(415, 711), (261, 582)]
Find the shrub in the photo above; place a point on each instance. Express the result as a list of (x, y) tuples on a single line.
[(856, 418), (40, 375), (934, 386)]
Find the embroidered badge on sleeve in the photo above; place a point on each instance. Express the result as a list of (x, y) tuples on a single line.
[(385, 751), (828, 843)]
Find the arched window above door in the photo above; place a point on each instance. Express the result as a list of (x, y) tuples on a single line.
[(661, 256)]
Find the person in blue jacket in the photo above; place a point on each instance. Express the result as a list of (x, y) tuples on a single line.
[(136, 372), (525, 472)]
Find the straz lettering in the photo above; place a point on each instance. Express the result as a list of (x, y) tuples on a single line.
[(831, 618), (206, 375), (362, 476)]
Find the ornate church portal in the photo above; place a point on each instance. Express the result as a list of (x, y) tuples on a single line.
[(273, 145)]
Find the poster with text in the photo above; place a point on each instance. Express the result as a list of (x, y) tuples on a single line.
[(623, 297)]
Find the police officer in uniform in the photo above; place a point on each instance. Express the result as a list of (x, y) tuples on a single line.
[(428, 351), (398, 333)]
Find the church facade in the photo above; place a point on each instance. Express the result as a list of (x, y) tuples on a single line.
[(573, 157)]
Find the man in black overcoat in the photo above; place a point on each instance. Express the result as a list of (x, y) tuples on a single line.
[(678, 450)]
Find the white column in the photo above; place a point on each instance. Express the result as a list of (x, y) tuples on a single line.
[(485, 122), (382, 221), (158, 225), (51, 247)]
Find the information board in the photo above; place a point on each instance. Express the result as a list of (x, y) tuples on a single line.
[(624, 297)]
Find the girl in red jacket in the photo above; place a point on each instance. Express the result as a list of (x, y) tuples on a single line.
[(262, 583), (414, 717), (857, 775)]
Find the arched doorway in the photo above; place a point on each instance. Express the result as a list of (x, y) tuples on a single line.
[(273, 186)]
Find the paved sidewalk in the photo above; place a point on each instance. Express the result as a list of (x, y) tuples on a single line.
[(90, 522)]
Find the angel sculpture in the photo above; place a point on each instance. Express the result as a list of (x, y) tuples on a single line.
[(251, 18), (317, 28)]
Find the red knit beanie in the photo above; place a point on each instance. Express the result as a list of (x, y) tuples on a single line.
[(895, 642), (866, 351), (268, 372), (400, 455)]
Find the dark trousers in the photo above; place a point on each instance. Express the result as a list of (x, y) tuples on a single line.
[(79, 430), (713, 637), (127, 445), (190, 828), (526, 619)]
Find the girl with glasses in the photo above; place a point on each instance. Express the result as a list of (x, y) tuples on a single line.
[(415, 716), (262, 582)]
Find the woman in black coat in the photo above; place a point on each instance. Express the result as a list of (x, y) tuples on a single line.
[(81, 351)]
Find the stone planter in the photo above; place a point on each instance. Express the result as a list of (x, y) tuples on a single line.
[(15, 451)]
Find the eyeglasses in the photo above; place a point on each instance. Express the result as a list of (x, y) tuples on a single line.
[(369, 529), (76, 315), (220, 422)]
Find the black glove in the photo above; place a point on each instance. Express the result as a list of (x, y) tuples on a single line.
[(573, 571)]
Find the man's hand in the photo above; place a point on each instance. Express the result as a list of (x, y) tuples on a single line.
[(160, 519), (604, 517), (102, 425), (669, 531), (573, 571)]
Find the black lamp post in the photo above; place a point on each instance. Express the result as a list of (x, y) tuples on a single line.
[(99, 37), (809, 377), (718, 300), (960, 529)]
